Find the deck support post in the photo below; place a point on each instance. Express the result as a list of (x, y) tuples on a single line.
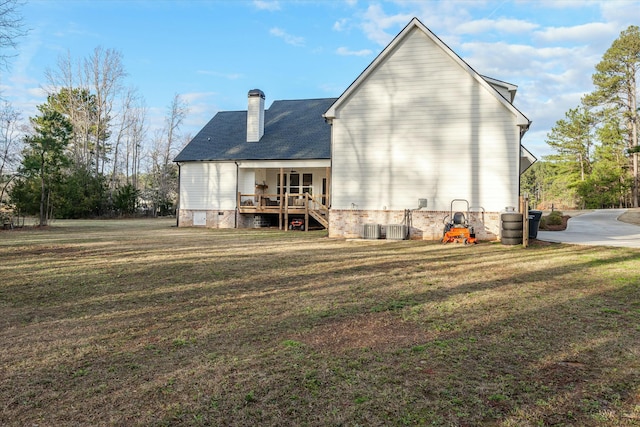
[(328, 196), (281, 199), (307, 200), (286, 211)]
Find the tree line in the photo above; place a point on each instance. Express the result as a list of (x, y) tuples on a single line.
[(595, 146), (88, 152)]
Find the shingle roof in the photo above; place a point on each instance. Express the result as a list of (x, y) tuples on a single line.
[(292, 130)]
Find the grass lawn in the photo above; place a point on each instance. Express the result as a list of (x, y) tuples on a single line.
[(136, 322)]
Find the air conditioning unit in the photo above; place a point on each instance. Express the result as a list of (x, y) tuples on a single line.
[(371, 231), (396, 232)]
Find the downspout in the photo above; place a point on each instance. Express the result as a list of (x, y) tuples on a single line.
[(329, 121), (523, 130), (178, 204), (235, 223)]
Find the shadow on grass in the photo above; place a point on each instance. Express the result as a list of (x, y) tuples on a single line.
[(208, 328)]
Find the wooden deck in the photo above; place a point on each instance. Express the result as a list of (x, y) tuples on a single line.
[(285, 205)]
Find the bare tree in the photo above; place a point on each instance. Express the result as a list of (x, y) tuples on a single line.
[(137, 134), (122, 128), (104, 72), (11, 131), (72, 97), (163, 173), (128, 138), (177, 112), (11, 29), (88, 92)]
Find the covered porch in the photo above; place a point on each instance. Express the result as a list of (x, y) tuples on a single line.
[(290, 189)]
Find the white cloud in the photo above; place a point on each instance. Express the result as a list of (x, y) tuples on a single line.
[(266, 5), (545, 113), (500, 25), (551, 79), (288, 38), (341, 24), (344, 51), (622, 12), (584, 34), (376, 22)]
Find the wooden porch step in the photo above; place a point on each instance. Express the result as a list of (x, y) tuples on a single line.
[(318, 215)]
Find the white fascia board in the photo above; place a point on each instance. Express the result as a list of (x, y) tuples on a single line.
[(285, 164), (511, 88)]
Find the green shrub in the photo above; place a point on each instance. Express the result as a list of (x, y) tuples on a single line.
[(554, 218)]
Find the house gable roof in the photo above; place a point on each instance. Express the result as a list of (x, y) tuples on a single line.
[(415, 23), (293, 130)]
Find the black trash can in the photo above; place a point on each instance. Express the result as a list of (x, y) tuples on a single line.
[(534, 223)]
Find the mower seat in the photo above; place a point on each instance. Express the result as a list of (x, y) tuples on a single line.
[(459, 220)]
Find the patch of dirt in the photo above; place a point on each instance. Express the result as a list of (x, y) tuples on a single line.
[(376, 331)]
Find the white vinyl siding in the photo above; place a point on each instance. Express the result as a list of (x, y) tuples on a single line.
[(208, 186), (248, 182), (420, 126)]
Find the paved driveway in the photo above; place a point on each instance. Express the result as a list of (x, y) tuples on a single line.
[(600, 228)]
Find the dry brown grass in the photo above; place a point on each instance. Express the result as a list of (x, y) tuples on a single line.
[(141, 323)]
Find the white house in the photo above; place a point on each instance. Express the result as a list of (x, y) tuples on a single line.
[(416, 130), (231, 172)]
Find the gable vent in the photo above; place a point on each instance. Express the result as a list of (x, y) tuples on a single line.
[(255, 115)]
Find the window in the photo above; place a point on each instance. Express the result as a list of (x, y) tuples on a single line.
[(307, 183), (294, 183), (295, 186), (278, 186)]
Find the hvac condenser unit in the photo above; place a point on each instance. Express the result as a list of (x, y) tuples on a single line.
[(371, 231), (396, 232)]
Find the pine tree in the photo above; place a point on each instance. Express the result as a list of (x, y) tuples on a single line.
[(572, 139), (45, 154), (616, 89)]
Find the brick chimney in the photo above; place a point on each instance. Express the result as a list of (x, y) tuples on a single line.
[(255, 115)]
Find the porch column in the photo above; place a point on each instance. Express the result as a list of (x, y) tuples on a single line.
[(286, 211), (328, 173), (307, 200), (281, 199)]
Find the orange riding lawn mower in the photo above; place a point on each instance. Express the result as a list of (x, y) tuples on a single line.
[(457, 229)]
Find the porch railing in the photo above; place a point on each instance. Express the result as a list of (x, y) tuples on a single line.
[(289, 203)]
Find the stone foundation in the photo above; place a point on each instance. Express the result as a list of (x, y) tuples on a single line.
[(209, 219), (424, 225)]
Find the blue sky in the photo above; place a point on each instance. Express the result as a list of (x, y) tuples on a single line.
[(213, 52)]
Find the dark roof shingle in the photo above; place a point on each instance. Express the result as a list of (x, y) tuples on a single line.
[(292, 130)]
